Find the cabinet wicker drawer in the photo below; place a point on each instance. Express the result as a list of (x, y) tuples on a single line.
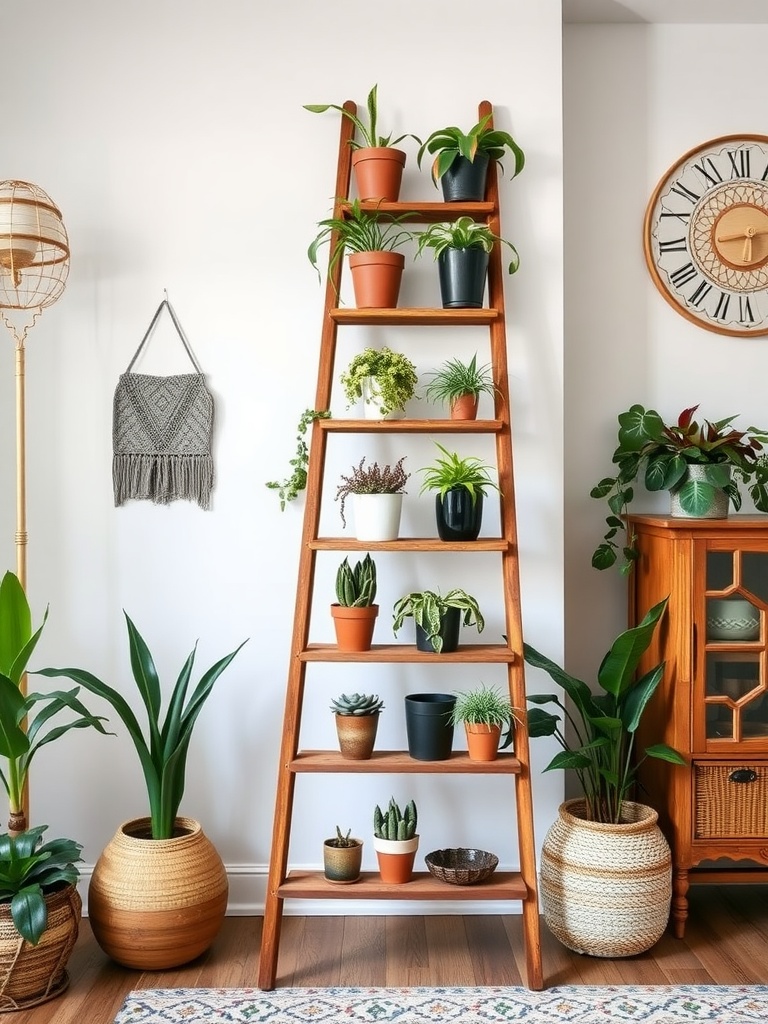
[(731, 800)]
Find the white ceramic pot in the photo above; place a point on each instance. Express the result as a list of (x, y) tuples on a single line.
[(377, 516), (372, 403), (732, 618)]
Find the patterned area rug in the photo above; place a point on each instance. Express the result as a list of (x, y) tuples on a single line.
[(565, 1004)]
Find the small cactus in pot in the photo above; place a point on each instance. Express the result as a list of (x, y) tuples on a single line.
[(342, 858), (357, 721)]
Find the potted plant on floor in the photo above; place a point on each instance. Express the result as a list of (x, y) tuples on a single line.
[(462, 158), (385, 380), (438, 618), (694, 461), (354, 613), (357, 721), (461, 249), (342, 858), (461, 485), (459, 385), (372, 240), (604, 846), (377, 163), (395, 841), (485, 712), (378, 498), (158, 893), (40, 910)]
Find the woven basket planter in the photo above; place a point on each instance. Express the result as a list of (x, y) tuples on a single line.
[(157, 903), (34, 974), (606, 889)]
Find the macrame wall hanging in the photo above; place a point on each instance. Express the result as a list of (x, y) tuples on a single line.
[(162, 431)]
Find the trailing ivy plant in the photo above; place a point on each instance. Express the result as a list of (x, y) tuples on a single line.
[(290, 488)]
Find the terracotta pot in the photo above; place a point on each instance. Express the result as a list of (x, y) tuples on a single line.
[(376, 278), (396, 859), (341, 864), (482, 741), (157, 903), (354, 626), (378, 172), (464, 407), (34, 974), (357, 735)]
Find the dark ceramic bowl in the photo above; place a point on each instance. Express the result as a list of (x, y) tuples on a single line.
[(461, 866)]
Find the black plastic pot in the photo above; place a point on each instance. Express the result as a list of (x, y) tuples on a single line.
[(462, 274), (458, 517), (464, 181), (450, 624), (428, 724)]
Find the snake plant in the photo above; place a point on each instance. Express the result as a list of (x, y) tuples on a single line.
[(394, 824), (356, 585)]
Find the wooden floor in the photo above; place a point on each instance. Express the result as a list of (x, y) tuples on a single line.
[(725, 944)]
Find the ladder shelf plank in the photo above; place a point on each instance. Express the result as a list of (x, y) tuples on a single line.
[(504, 885), (408, 654), (418, 317), (426, 426), (400, 761), (410, 544)]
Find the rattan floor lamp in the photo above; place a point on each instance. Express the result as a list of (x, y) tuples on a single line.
[(34, 263)]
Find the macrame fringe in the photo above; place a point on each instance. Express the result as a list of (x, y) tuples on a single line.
[(163, 478)]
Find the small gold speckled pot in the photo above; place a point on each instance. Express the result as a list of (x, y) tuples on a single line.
[(342, 863)]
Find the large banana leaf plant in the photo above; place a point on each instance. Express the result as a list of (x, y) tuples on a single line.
[(26, 721), (163, 750), (602, 751)]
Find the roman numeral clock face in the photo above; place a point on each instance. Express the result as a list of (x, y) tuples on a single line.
[(706, 235)]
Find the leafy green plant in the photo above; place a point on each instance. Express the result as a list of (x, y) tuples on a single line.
[(427, 608), (290, 488), (356, 585), (375, 479), (448, 144), (456, 378), (163, 752), (463, 233), (29, 871), (358, 230), (369, 134), (394, 824), (667, 452), (359, 704), (471, 473), (602, 753), (19, 743), (393, 373), (486, 705), (341, 841)]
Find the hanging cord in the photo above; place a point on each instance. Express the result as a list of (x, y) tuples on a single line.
[(165, 304)]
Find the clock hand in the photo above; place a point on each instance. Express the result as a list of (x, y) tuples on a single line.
[(746, 256), (748, 233)]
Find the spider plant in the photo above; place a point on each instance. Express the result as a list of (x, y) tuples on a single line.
[(358, 230)]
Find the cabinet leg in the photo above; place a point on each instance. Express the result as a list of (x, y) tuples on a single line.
[(680, 884)]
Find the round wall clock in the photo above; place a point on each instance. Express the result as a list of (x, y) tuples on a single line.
[(706, 235)]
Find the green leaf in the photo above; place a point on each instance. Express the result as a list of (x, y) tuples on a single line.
[(618, 667), (665, 753), (29, 913)]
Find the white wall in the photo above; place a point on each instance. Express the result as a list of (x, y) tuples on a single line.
[(171, 134)]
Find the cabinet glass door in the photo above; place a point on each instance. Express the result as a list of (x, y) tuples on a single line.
[(736, 706)]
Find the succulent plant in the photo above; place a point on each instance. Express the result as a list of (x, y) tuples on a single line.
[(342, 842), (357, 704), (395, 824), (356, 585)]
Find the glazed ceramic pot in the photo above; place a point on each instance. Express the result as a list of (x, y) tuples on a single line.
[(341, 864), (357, 735), (458, 515), (395, 858)]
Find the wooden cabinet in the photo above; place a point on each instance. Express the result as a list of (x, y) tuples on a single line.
[(712, 705), (295, 763)]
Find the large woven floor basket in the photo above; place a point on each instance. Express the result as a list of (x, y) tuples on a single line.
[(606, 889), (157, 903), (34, 974)]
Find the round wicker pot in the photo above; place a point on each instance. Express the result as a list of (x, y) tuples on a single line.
[(34, 974), (157, 903), (606, 889)]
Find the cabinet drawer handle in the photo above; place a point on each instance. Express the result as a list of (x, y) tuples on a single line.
[(743, 775)]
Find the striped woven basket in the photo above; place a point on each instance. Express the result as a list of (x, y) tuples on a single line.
[(606, 889)]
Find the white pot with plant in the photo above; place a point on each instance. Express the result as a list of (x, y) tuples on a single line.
[(377, 493), (383, 379)]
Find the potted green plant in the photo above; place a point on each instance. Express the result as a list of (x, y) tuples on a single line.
[(290, 488), (378, 496), (163, 924), (695, 462), (377, 163), (461, 158), (599, 747), (40, 910), (485, 712), (354, 612), (372, 240), (342, 858), (461, 248), (438, 617), (383, 379), (357, 721), (461, 485), (459, 385), (42, 712), (395, 841)]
